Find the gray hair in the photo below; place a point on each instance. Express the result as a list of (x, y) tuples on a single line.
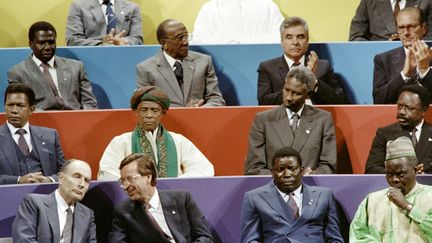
[(292, 22), (304, 75)]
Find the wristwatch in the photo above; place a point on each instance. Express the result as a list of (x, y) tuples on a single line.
[(407, 210)]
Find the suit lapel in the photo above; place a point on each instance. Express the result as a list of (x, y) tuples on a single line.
[(413, 3), (52, 214), (42, 84), (425, 142), (303, 131), (63, 78), (281, 123), (188, 70), (119, 12), (6, 145), (96, 10), (398, 60), (384, 9), (79, 228), (170, 209), (273, 198), (40, 147), (283, 68), (167, 72), (309, 204)]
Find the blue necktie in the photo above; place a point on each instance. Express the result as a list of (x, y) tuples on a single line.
[(111, 17)]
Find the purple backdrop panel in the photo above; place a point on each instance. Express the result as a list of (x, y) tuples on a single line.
[(219, 198)]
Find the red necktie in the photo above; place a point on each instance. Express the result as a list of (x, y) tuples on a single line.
[(293, 205)]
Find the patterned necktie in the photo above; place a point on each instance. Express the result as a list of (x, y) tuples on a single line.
[(50, 80), (22, 144), (111, 17), (67, 230), (293, 205), (178, 72), (414, 137), (295, 119), (396, 9)]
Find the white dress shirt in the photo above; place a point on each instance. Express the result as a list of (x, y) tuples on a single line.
[(15, 136), (156, 211), (298, 197)]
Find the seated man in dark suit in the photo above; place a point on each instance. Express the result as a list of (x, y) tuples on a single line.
[(376, 20), (293, 124), (58, 217), (151, 215), (104, 22), (287, 210), (59, 83), (187, 77), (28, 154), (412, 105), (326, 89), (409, 64)]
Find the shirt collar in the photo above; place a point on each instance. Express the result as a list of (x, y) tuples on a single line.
[(154, 201), (296, 192), (420, 125), (39, 62), (291, 62), (170, 59), (291, 113), (152, 134), (101, 2), (61, 203), (13, 129)]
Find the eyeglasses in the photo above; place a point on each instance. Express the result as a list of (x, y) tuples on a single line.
[(128, 179), (182, 38), (401, 29)]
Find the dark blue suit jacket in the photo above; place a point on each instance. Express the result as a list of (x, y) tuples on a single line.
[(37, 220), (263, 218), (183, 217), (47, 145)]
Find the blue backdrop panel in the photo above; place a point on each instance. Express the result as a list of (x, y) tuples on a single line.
[(112, 69)]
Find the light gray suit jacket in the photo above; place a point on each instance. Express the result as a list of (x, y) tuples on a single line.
[(314, 139), (266, 217), (74, 86), (200, 81), (37, 221), (374, 19), (86, 23)]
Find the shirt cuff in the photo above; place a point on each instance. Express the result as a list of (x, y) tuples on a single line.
[(416, 214), (422, 75), (404, 77)]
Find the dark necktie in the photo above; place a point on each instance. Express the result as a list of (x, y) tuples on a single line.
[(22, 144), (111, 17), (396, 9), (49, 79), (67, 230), (293, 205), (295, 118), (178, 72), (414, 137), (296, 64), (154, 222)]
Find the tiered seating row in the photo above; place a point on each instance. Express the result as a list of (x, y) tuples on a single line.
[(220, 133), (219, 198), (112, 69)]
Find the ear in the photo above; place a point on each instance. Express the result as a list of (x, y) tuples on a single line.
[(32, 109), (60, 177)]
